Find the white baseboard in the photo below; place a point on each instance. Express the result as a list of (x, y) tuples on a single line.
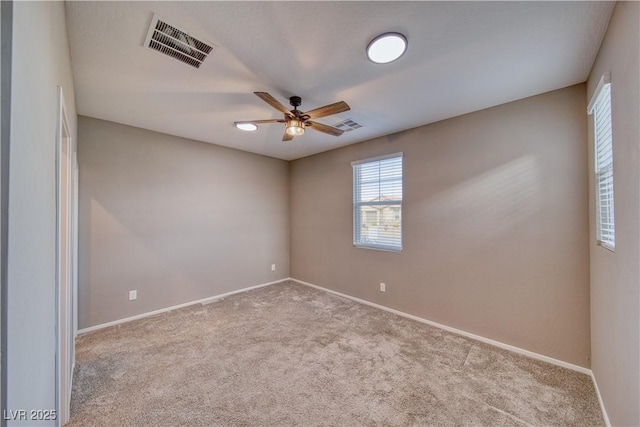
[(175, 307), (607, 422), (458, 331)]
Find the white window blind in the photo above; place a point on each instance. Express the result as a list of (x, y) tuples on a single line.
[(377, 203), (601, 110)]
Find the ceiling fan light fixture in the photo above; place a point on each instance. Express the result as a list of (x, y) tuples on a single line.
[(248, 127), (387, 48), (294, 127)]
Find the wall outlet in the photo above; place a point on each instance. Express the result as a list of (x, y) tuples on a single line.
[(273, 267), (383, 287), (133, 295)]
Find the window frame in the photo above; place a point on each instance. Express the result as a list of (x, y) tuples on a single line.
[(603, 169), (357, 204)]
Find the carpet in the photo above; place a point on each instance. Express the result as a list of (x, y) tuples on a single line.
[(291, 355)]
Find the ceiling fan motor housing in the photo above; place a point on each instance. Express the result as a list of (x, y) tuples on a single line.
[(296, 101)]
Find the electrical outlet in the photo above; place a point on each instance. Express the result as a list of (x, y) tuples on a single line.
[(383, 287), (273, 267), (133, 295)]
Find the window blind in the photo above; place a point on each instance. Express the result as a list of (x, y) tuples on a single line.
[(377, 203), (601, 110)]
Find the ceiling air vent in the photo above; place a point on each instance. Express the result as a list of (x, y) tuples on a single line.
[(176, 43), (347, 125)]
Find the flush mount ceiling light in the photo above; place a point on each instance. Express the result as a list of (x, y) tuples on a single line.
[(249, 127), (387, 48)]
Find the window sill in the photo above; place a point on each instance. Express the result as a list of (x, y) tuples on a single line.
[(378, 248), (606, 246)]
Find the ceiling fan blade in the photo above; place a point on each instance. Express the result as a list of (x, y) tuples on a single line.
[(324, 128), (273, 102), (287, 137), (257, 122), (328, 110)]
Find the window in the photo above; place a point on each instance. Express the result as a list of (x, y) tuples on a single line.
[(600, 107), (377, 203)]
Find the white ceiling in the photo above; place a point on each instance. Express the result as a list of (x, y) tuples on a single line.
[(462, 57)]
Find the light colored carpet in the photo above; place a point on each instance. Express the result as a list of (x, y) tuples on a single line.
[(287, 355)]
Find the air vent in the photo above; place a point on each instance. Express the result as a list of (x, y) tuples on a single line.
[(347, 125), (176, 43)]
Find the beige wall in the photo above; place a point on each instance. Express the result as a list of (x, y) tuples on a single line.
[(495, 224), (41, 62), (175, 219), (615, 276)]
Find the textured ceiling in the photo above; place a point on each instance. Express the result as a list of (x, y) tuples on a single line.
[(462, 57)]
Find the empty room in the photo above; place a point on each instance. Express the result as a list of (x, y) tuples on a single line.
[(320, 213)]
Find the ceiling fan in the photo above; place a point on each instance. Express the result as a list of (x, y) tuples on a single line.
[(296, 121)]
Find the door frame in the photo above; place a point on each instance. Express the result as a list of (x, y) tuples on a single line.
[(66, 253)]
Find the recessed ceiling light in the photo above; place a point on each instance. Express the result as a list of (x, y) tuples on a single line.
[(387, 48), (249, 127)]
